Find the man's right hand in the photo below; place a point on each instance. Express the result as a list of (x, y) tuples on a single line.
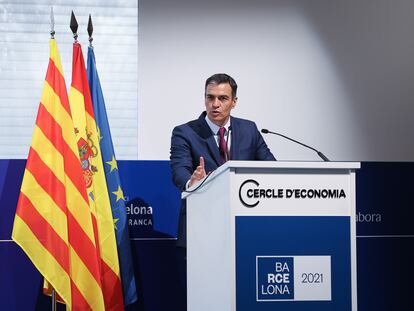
[(198, 174)]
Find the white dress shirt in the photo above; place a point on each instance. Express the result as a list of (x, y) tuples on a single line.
[(215, 128)]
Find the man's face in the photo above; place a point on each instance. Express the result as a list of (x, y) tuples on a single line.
[(219, 103)]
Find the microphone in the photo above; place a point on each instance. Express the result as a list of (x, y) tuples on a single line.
[(320, 154), (227, 143), (226, 138)]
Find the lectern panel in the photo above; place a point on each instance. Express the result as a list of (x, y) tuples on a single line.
[(292, 263)]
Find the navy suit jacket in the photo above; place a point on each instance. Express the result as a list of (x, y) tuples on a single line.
[(191, 140)]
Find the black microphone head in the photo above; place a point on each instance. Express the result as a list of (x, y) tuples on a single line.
[(265, 131)]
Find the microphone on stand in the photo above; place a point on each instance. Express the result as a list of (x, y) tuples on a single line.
[(320, 154)]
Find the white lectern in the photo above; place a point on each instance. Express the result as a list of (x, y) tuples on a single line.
[(273, 236)]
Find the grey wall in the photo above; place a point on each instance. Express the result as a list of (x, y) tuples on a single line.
[(336, 75)]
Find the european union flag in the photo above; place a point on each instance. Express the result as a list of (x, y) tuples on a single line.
[(113, 183)]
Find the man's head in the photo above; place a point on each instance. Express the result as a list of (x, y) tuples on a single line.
[(220, 97)]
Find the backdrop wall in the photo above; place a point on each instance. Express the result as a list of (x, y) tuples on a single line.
[(385, 236), (24, 55), (333, 74)]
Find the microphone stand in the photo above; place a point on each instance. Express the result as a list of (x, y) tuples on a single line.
[(320, 154)]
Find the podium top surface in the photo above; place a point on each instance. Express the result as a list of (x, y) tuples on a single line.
[(275, 165), (290, 164)]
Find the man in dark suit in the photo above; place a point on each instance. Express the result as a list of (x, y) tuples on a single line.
[(198, 146), (204, 144)]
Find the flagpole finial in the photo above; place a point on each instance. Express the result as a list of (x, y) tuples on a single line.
[(52, 23), (90, 30), (74, 26)]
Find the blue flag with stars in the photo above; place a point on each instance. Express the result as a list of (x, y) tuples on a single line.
[(113, 182)]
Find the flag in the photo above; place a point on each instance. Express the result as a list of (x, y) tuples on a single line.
[(53, 223), (91, 162), (113, 183)]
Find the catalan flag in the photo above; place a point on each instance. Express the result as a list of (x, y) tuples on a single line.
[(113, 183), (87, 138), (53, 223)]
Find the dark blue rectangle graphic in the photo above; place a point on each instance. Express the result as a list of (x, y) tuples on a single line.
[(262, 241), (275, 278)]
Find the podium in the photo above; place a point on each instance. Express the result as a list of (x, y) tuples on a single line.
[(273, 236)]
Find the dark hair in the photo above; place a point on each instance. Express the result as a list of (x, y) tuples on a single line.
[(220, 78)]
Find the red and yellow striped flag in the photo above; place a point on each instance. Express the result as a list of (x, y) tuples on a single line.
[(87, 138), (53, 222)]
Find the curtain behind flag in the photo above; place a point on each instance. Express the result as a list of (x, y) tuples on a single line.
[(87, 138), (53, 223), (113, 182)]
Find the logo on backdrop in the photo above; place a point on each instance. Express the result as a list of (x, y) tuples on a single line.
[(298, 278), (141, 216), (275, 278), (250, 193), (140, 213)]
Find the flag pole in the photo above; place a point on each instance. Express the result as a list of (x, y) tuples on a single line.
[(53, 300), (90, 30), (74, 26), (52, 36), (52, 23)]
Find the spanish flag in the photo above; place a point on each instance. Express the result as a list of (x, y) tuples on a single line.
[(53, 223), (87, 138)]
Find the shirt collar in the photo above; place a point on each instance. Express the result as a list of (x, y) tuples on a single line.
[(214, 127)]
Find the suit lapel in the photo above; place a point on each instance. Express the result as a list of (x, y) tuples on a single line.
[(235, 131), (214, 151), (205, 132)]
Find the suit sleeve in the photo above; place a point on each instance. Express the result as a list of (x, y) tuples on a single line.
[(181, 160), (263, 152)]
